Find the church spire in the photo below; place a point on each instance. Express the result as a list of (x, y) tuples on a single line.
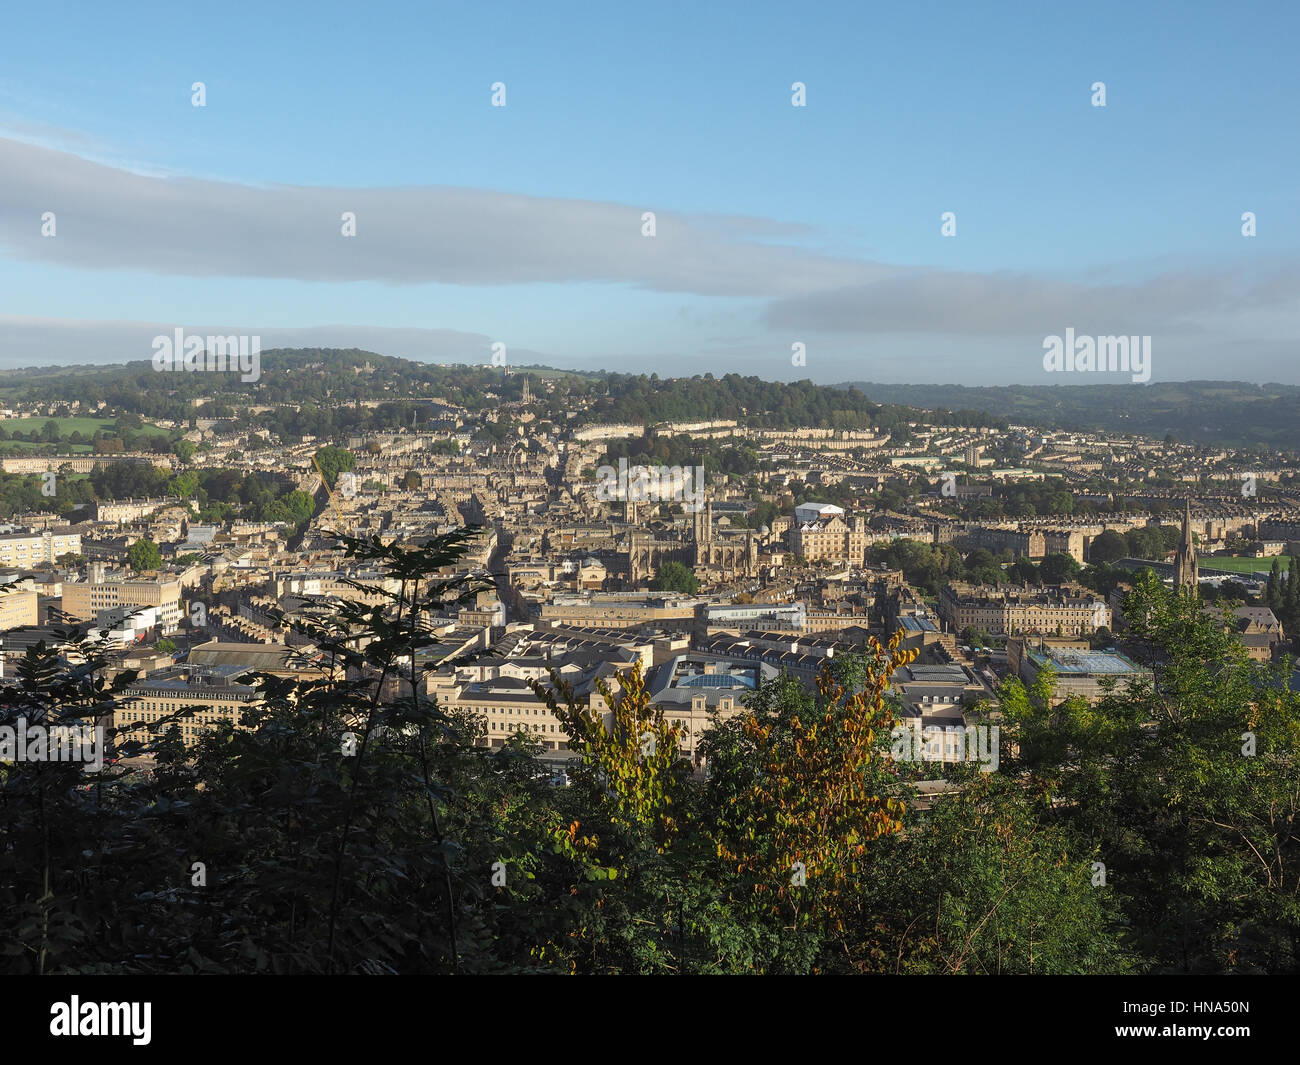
[(1186, 570)]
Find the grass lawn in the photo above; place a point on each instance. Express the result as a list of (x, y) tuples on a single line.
[(21, 447), (1240, 565), (87, 426)]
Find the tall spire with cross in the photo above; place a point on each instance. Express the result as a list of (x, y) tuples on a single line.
[(1186, 571)]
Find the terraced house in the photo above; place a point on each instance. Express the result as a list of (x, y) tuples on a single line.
[(1023, 609), (202, 697)]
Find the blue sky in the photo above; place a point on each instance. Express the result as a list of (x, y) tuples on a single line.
[(775, 224)]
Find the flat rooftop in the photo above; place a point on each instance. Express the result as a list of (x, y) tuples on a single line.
[(1086, 662), (684, 676)]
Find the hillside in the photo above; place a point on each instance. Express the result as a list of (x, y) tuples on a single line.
[(1229, 413)]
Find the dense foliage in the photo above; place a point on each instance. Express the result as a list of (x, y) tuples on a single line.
[(1232, 413), (675, 577), (323, 392), (216, 493)]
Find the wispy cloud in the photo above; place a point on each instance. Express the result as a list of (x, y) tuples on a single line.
[(769, 283), (113, 219), (1000, 304)]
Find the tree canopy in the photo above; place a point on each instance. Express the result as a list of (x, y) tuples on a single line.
[(675, 577), (144, 555)]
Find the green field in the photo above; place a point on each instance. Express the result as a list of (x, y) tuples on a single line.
[(1240, 565), (24, 446), (87, 426)]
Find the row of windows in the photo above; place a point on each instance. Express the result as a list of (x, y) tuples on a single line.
[(185, 730), (527, 727), (152, 704), (201, 714)]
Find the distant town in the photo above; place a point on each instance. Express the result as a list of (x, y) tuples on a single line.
[(556, 490), (714, 552)]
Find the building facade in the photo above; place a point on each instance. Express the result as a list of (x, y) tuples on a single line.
[(83, 600), (189, 700), (1022, 610), (830, 539), (24, 550)]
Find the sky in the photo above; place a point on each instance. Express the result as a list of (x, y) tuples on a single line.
[(788, 241)]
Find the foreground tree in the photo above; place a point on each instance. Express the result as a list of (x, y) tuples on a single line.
[(981, 884), (802, 790), (1185, 787)]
